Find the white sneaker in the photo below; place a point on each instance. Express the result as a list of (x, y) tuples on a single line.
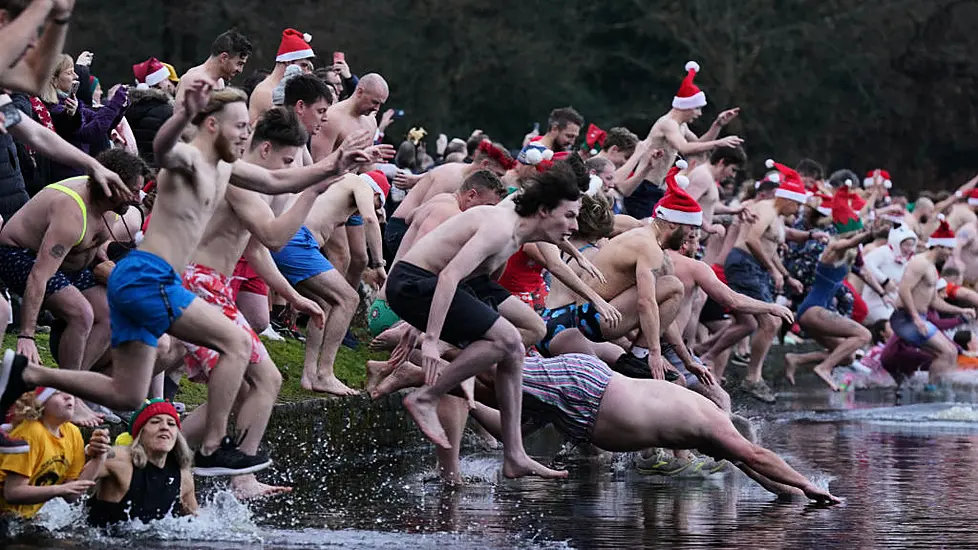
[(860, 368), (270, 333)]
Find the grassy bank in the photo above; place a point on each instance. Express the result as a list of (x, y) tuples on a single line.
[(288, 356)]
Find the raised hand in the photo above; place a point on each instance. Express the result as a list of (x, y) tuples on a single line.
[(99, 444), (85, 59), (110, 182), (730, 141), (380, 153), (196, 94), (727, 116), (357, 141)]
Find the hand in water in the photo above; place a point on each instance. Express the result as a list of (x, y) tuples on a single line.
[(821, 495), (430, 358), (76, 488), (608, 312), (28, 349), (657, 366)]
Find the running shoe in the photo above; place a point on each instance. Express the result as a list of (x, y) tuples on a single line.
[(660, 463), (270, 333), (350, 340), (12, 378), (759, 390), (705, 466), (738, 359), (228, 460)]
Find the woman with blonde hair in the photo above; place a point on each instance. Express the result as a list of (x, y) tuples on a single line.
[(149, 478), (55, 465), (76, 122)]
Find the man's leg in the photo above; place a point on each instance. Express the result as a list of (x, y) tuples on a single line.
[(356, 238), (743, 325), (331, 290), (452, 412), (71, 305), (100, 336), (767, 328), (255, 309), (528, 322), (850, 336), (337, 250), (945, 356)]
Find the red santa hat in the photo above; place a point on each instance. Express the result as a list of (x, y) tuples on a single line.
[(791, 187), (595, 138), (973, 197), (884, 175), (689, 95), (41, 395), (943, 236), (825, 204), (294, 46), (677, 206), (150, 73), (378, 182)]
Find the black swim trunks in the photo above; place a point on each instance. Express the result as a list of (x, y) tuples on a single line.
[(394, 233), (411, 289), (16, 264)]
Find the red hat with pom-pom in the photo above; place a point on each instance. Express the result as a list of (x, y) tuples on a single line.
[(689, 95)]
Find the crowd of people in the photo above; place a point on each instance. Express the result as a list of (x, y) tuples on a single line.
[(601, 283)]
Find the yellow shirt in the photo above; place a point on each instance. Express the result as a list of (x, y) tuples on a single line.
[(51, 460)]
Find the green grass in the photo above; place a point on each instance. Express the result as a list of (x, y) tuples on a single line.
[(288, 356)]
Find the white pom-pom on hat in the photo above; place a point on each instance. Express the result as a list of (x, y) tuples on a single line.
[(307, 37), (595, 184), (774, 178), (593, 152), (941, 217), (682, 164), (692, 66), (848, 183), (682, 181), (547, 154), (533, 156), (769, 163), (887, 184)]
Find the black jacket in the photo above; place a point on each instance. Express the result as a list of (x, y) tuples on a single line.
[(148, 110)]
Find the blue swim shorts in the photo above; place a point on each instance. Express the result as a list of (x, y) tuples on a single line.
[(355, 221), (902, 324), (301, 259), (146, 296)]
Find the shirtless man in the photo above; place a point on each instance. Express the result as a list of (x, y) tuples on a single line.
[(229, 54), (447, 178), (724, 163), (240, 216), (32, 39), (67, 218), (313, 275), (918, 294), (751, 268), (294, 49), (563, 128), (432, 289), (639, 284), (145, 294), (696, 276), (671, 134), (619, 146)]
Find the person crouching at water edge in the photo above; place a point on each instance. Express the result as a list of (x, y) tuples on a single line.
[(147, 474), (55, 465)]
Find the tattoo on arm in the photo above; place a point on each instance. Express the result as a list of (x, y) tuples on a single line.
[(58, 251)]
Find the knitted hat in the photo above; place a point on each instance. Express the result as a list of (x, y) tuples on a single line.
[(595, 138), (868, 180), (791, 186), (173, 73), (825, 204), (150, 73), (677, 206), (689, 95), (533, 153), (294, 46), (378, 182), (151, 408), (943, 236), (843, 216)]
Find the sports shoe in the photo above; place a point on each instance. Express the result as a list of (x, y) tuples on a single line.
[(351, 341), (228, 460), (12, 378), (12, 446), (270, 333), (759, 390), (742, 360), (705, 465), (660, 464)]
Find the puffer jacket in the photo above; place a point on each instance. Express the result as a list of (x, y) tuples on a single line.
[(13, 193), (87, 130), (148, 110)]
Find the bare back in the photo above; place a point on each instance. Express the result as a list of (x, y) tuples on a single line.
[(429, 216), (447, 178), (184, 205), (340, 123), (226, 237), (703, 189), (436, 250), (260, 100), (333, 208), (617, 260), (657, 140)]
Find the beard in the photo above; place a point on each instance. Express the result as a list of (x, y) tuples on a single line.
[(225, 149), (676, 240)]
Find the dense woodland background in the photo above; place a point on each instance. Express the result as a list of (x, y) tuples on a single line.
[(851, 83)]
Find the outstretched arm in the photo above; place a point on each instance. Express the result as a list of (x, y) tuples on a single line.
[(259, 219), (27, 69)]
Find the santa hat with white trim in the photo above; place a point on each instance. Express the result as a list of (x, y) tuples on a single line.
[(378, 182), (825, 204), (689, 95), (884, 175), (791, 187), (973, 197), (294, 46), (533, 153), (677, 206), (150, 73), (943, 236)]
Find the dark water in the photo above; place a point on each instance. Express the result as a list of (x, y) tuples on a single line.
[(908, 475)]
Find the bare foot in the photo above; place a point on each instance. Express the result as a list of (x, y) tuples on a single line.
[(425, 415), (248, 487), (529, 467), (84, 416), (387, 340), (489, 442), (790, 367), (825, 374), (332, 385), (376, 371), (407, 375), (306, 380), (468, 389)]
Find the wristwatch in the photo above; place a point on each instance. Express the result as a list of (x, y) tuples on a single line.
[(378, 263)]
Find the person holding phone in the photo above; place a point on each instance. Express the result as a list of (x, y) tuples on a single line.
[(294, 49), (76, 122)]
